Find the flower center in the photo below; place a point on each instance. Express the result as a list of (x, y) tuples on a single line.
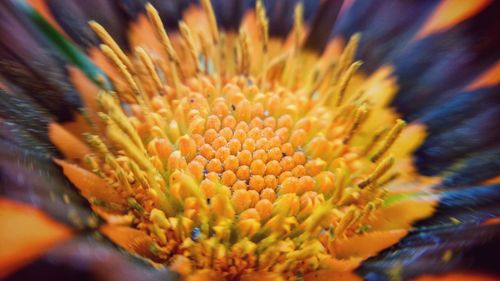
[(232, 164)]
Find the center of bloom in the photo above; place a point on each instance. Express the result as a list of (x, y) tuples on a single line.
[(214, 153)]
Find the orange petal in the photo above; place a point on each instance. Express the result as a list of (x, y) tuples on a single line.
[(492, 180), (88, 91), (403, 214), (205, 275), (78, 126), (492, 221), (488, 78), (338, 265), (131, 239), (262, 276), (142, 34), (457, 276), (25, 234), (90, 185), (368, 244), (71, 146), (449, 13), (329, 275)]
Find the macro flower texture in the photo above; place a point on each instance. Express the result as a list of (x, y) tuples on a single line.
[(249, 140)]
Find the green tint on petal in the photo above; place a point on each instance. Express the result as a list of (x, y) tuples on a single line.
[(65, 47)]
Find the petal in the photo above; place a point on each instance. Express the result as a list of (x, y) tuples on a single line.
[(229, 13), (73, 16), (476, 133), (447, 60), (470, 205), (281, 14), (454, 238), (131, 239), (69, 145), (32, 66), (458, 107), (436, 251), (86, 258), (322, 24), (403, 214), (386, 27), (449, 13), (474, 168), (25, 123), (26, 234), (171, 11), (91, 186), (367, 245), (326, 275), (457, 276), (33, 178)]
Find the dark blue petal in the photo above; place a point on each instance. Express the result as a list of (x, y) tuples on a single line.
[(447, 60), (469, 205), (386, 27), (171, 11), (450, 249), (90, 259), (322, 24), (454, 238), (281, 14), (456, 107), (30, 64), (444, 148), (25, 123), (28, 176), (74, 15), (229, 13), (474, 168)]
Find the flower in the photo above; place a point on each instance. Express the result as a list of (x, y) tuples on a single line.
[(237, 155)]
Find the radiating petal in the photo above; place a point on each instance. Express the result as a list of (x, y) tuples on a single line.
[(447, 60), (25, 123), (33, 178), (30, 64), (474, 168), (457, 276), (88, 259), (437, 251), (386, 27), (322, 24), (473, 204), (229, 13), (453, 239), (74, 15), (478, 132), (26, 234)]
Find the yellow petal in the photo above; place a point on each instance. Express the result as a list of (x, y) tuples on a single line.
[(340, 265), (368, 244), (205, 275), (403, 214)]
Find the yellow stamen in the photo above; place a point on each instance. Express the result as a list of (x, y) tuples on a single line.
[(242, 153), (111, 43), (391, 137)]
